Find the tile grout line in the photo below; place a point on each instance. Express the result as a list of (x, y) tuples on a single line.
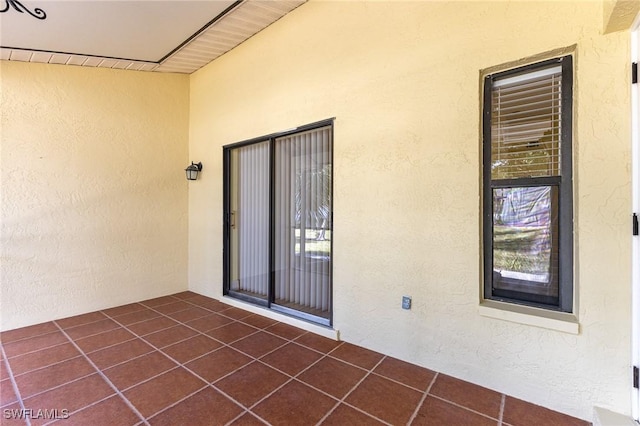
[(368, 414), (105, 378), (391, 379), (48, 365), (104, 311), (259, 359), (36, 350), (178, 322), (101, 311), (55, 323), (168, 407), (463, 407), (339, 402), (81, 324), (296, 376), (158, 349), (60, 385), (424, 397), (198, 357), (175, 367), (207, 383), (291, 378), (235, 401), (172, 343), (83, 408), (503, 401), (14, 384), (287, 341), (108, 347), (152, 308), (28, 337), (130, 359), (247, 412), (139, 337), (221, 313), (63, 343), (198, 331), (81, 354), (316, 350), (342, 400), (211, 311), (183, 365), (228, 345), (192, 305)]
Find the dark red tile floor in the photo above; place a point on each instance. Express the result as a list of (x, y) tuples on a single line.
[(190, 360)]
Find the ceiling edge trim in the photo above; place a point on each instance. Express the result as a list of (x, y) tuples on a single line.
[(56, 52), (201, 30)]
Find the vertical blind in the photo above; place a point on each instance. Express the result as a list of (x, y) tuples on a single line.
[(303, 220), (252, 216), (525, 125)]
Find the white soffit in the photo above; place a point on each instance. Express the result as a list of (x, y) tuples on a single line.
[(167, 36)]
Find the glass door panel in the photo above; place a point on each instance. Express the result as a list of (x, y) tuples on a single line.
[(249, 222), (302, 212), (278, 230)]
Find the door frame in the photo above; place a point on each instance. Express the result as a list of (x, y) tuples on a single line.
[(269, 302), (635, 240)]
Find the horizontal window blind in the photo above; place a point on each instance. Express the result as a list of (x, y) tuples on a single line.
[(527, 186), (526, 125)]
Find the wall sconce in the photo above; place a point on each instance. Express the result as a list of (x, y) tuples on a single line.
[(192, 171)]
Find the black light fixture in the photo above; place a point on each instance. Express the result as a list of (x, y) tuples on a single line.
[(192, 171), (19, 7)]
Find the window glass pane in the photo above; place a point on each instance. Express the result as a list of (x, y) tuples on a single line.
[(525, 241), (525, 125)]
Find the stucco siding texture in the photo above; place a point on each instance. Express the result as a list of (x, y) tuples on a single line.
[(93, 192), (402, 80)]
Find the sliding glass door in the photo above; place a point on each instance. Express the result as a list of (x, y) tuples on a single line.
[(278, 195)]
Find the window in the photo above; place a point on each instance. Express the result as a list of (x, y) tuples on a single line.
[(278, 214), (527, 185)]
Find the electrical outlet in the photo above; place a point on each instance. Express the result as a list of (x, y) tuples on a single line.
[(406, 302)]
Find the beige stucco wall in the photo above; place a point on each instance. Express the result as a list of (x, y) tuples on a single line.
[(402, 80), (619, 14), (93, 193)]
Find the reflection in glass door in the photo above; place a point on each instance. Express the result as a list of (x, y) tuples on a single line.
[(278, 214)]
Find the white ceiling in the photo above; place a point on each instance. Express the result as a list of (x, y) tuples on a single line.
[(150, 35)]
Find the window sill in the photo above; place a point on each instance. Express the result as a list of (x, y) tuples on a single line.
[(558, 321)]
